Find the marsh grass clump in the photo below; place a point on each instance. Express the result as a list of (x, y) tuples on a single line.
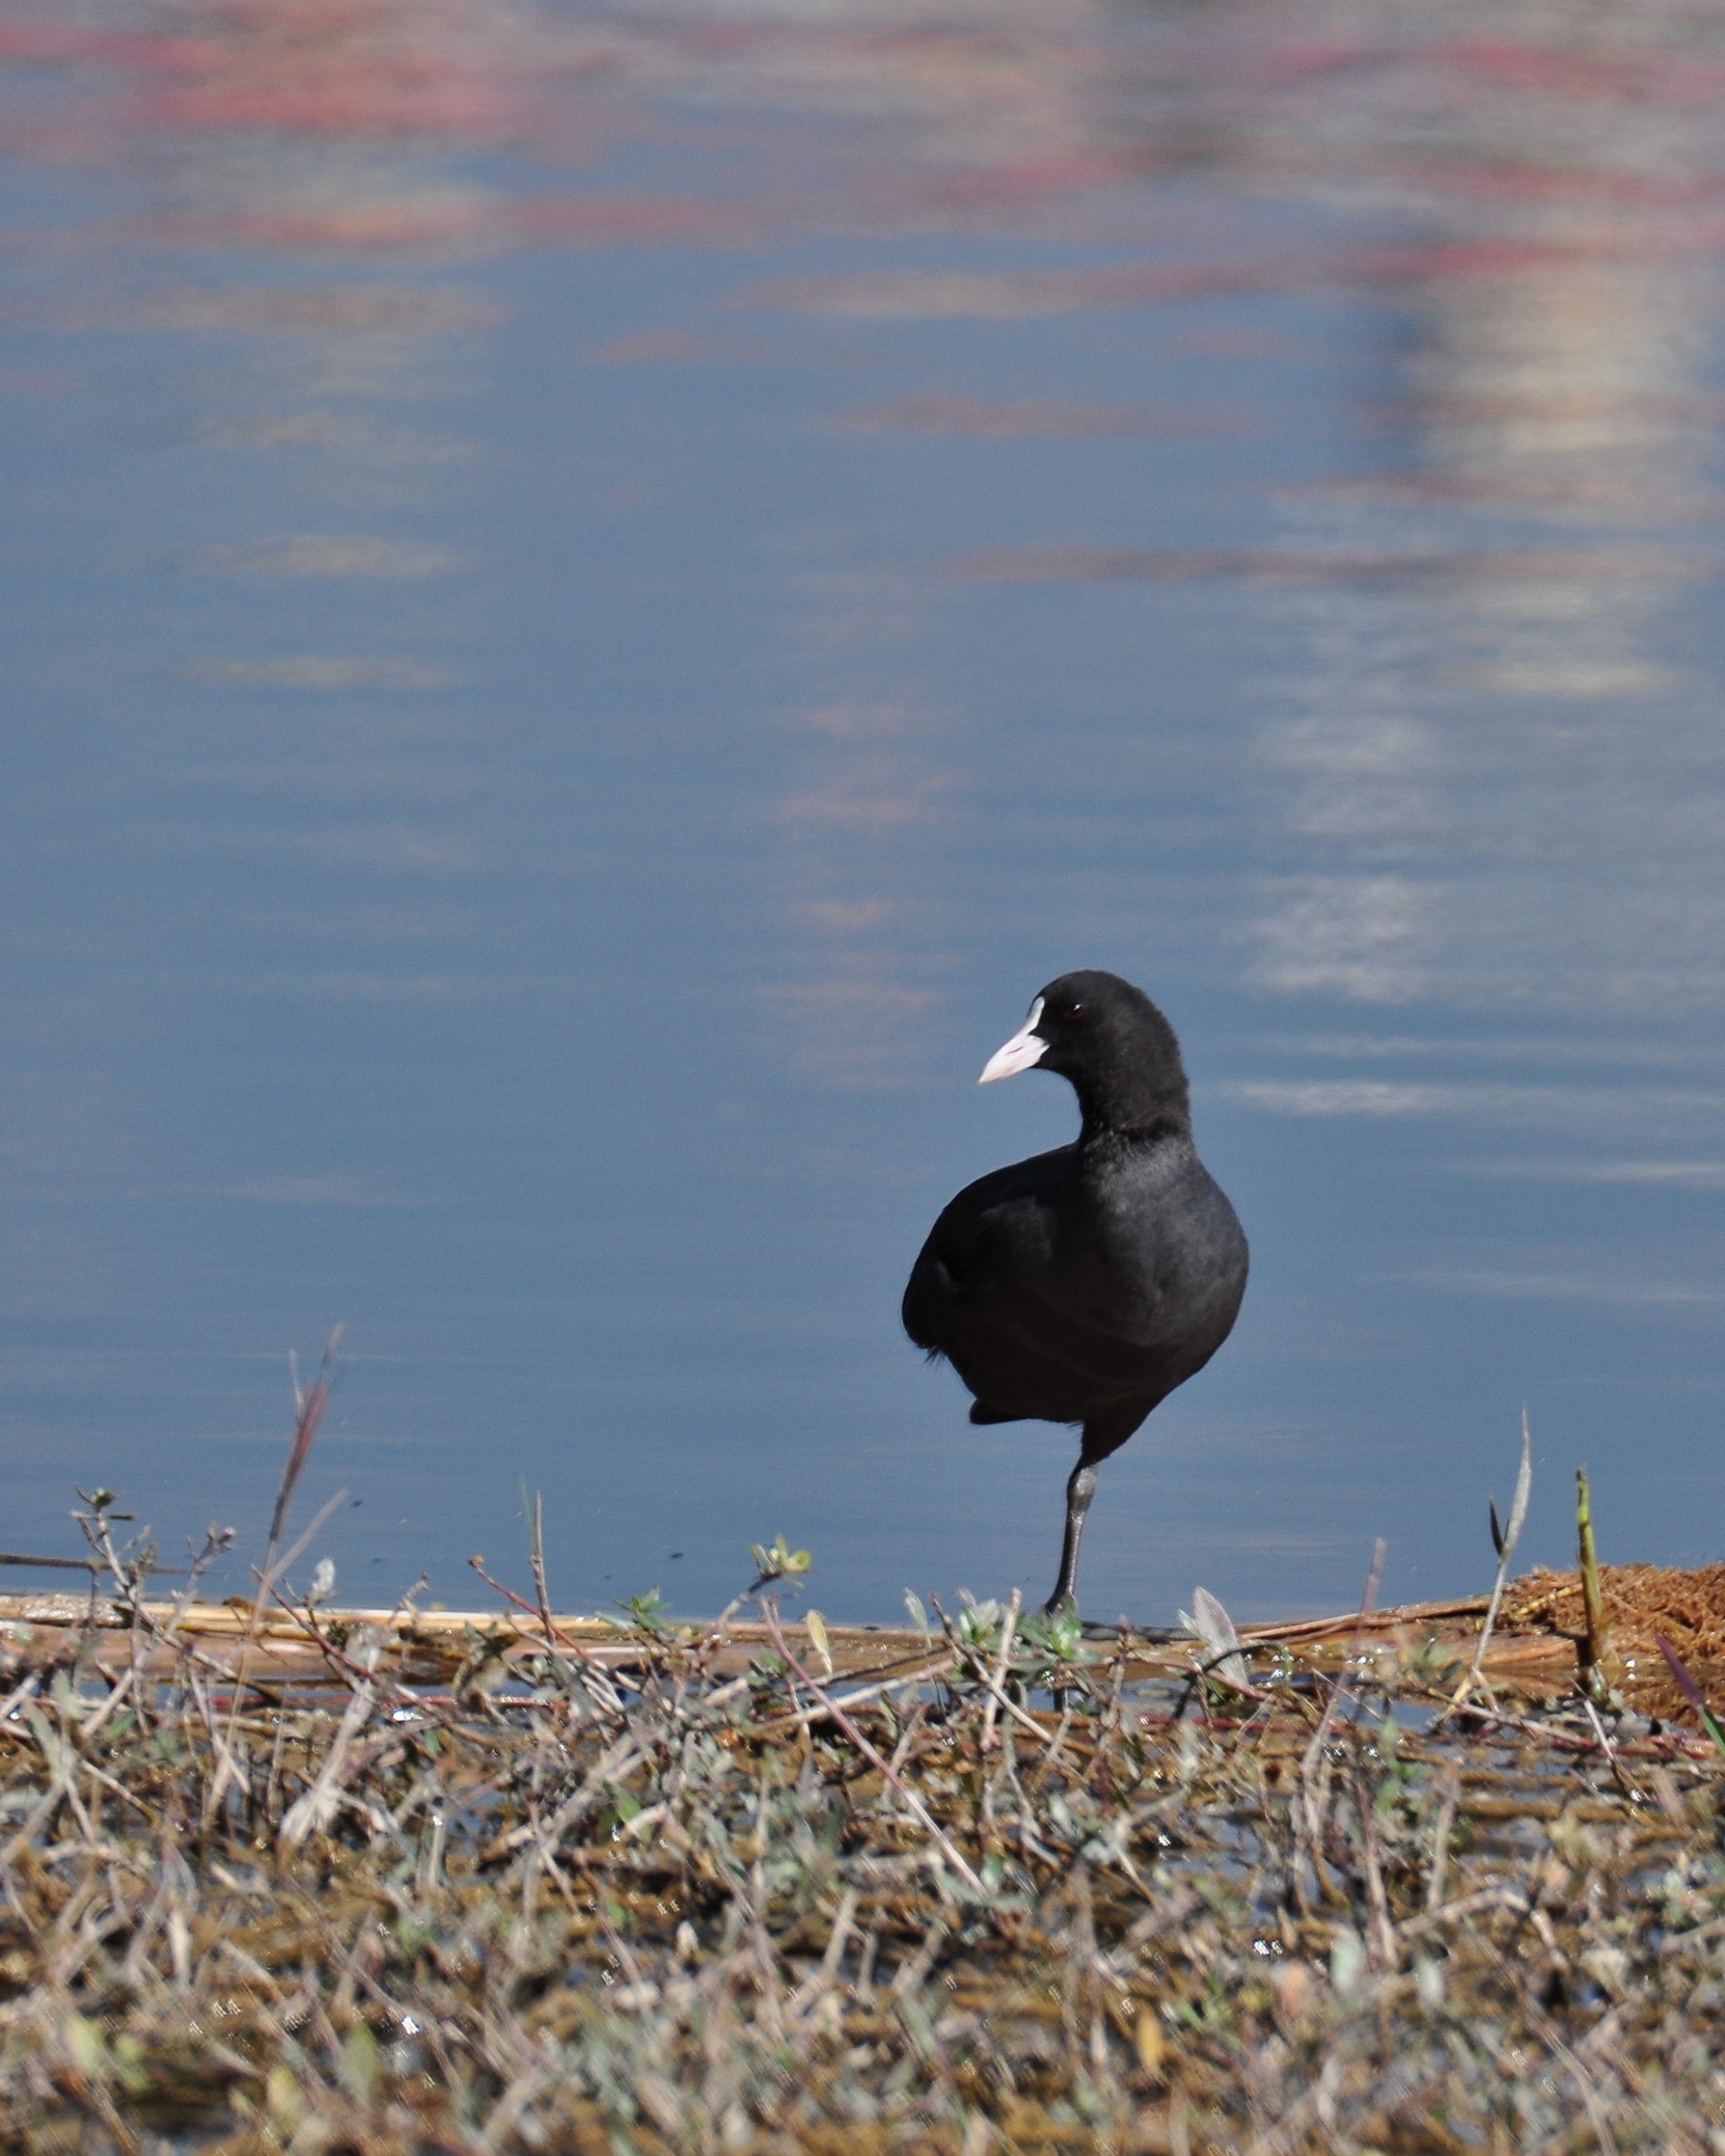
[(279, 1876), (521, 1883)]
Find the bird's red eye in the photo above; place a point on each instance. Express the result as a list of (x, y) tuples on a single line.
[(1073, 1011)]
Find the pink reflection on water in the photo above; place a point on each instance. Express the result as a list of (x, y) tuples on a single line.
[(443, 220), (1001, 419), (1490, 566), (333, 67), (1537, 210)]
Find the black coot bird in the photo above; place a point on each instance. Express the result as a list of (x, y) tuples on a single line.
[(1084, 1285)]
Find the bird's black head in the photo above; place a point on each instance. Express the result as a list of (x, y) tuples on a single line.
[(1113, 1042)]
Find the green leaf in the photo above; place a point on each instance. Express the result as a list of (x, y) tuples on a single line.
[(644, 1611), (778, 1560), (979, 1625), (84, 2040), (285, 2105), (130, 2069), (1057, 1635), (360, 2063)]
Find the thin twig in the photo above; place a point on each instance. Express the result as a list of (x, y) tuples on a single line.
[(1506, 1544), (1441, 1835), (1008, 1626), (924, 1816)]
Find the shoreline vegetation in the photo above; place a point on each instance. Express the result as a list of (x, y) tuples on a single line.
[(277, 1875), (280, 1875)]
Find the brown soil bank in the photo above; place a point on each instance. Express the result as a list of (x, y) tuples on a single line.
[(1643, 1603)]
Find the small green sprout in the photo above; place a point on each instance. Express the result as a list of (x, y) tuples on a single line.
[(979, 1625), (778, 1561), (646, 1612), (1051, 1639)]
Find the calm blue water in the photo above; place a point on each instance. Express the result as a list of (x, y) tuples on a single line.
[(594, 598)]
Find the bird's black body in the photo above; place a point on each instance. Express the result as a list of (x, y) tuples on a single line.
[(1083, 1286)]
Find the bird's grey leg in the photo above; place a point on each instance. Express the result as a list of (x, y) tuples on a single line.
[(1103, 1434), (1080, 1488)]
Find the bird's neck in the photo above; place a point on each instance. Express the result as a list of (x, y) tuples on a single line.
[(1137, 1106), (1100, 1132)]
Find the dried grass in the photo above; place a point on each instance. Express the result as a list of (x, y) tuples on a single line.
[(667, 1890)]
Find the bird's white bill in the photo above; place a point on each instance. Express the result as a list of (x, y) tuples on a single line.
[(1025, 1048)]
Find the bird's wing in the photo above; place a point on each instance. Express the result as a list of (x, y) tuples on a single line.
[(1014, 1319), (980, 1287), (985, 1234)]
